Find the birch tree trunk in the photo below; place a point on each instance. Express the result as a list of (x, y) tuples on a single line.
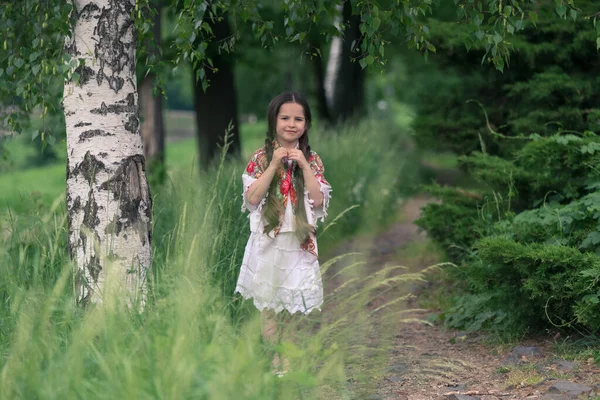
[(108, 201), (344, 79)]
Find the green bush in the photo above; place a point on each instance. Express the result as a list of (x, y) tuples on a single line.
[(550, 84), (455, 223), (529, 244)]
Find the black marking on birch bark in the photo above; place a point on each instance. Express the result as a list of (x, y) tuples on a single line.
[(88, 168), (103, 154), (69, 113), (112, 49), (88, 11), (128, 189), (76, 207), (72, 240), (116, 83), (113, 109), (132, 124), (94, 268), (93, 133), (90, 213), (82, 240), (85, 74), (80, 124)]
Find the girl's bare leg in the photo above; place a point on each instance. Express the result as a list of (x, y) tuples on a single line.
[(270, 332), (269, 327)]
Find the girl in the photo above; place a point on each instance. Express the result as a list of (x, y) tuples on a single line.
[(286, 193)]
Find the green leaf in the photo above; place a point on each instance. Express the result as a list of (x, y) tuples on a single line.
[(497, 38), (370, 59), (51, 140), (573, 14), (592, 299), (35, 134), (533, 17), (200, 74), (34, 56), (36, 68), (363, 63), (598, 43), (499, 63), (19, 62), (376, 22), (561, 10)]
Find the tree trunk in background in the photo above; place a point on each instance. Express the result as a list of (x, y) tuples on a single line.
[(151, 113), (217, 107), (319, 75), (108, 201), (344, 80)]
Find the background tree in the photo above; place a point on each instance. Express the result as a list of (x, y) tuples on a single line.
[(345, 78), (152, 125), (215, 104)]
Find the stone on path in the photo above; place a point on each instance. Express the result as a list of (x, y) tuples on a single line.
[(554, 396), (569, 388), (564, 365), (395, 378), (457, 387), (521, 353), (461, 397), (398, 368)]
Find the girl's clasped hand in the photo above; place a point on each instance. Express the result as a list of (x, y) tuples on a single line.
[(283, 155)]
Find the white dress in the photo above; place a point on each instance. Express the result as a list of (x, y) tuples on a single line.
[(275, 271)]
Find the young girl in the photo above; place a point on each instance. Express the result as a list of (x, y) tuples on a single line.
[(286, 193)]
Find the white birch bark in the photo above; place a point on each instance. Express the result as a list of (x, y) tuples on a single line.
[(334, 63), (108, 200)]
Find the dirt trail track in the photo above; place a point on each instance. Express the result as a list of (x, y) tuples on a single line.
[(429, 362)]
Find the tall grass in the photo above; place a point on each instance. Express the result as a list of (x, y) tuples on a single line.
[(194, 339)]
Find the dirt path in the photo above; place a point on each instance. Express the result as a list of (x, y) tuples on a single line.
[(429, 362)]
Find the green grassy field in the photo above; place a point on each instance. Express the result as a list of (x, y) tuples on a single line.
[(195, 339)]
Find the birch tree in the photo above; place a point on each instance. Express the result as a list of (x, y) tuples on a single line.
[(108, 200)]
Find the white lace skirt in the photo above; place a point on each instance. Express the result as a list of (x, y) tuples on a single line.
[(279, 275)]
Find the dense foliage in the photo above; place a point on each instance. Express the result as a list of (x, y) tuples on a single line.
[(550, 85), (527, 241)]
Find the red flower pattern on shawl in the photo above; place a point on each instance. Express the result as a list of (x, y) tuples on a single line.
[(259, 163)]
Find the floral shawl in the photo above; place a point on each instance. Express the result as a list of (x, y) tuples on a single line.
[(287, 186)]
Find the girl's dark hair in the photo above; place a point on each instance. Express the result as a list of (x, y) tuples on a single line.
[(274, 208)]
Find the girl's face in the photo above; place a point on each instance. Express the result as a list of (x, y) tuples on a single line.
[(291, 124)]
